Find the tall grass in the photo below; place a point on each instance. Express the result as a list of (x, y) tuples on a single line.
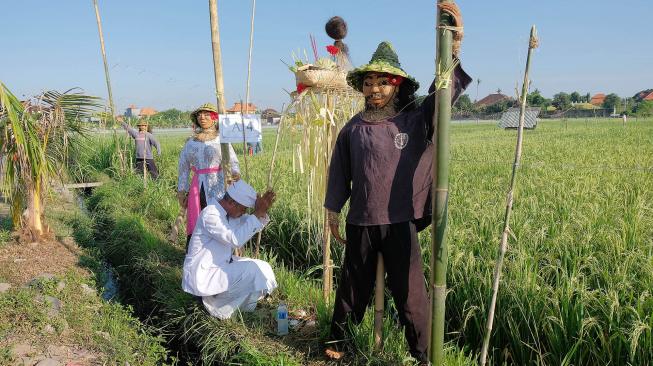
[(578, 275)]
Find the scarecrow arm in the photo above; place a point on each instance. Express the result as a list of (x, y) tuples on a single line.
[(183, 171), (460, 80), (130, 130), (233, 160), (339, 184), (154, 142)]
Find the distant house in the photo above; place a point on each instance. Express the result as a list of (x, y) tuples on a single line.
[(133, 112), (644, 95), (147, 112), (597, 99), (238, 107), (492, 99), (270, 116)]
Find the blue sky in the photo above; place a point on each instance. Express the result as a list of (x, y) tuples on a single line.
[(160, 52)]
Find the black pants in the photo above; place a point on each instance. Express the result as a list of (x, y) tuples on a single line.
[(405, 278), (202, 206), (151, 167)]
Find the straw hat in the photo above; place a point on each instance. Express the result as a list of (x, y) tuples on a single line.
[(142, 122), (384, 60), (204, 107)]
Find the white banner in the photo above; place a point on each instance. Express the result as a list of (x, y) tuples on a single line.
[(231, 128)]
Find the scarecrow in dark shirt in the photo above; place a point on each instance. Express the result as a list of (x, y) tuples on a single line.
[(382, 163)]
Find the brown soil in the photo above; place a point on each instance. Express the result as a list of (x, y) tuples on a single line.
[(22, 260)]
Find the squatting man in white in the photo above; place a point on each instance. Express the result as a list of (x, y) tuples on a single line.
[(225, 281)]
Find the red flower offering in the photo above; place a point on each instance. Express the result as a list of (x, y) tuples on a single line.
[(333, 50), (396, 80), (300, 88)]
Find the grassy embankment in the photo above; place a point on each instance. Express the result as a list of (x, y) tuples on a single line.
[(577, 278), (60, 310)]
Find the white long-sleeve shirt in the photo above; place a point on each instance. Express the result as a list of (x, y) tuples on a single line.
[(207, 264), (203, 155)]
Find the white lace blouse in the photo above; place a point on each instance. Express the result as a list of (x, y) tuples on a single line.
[(203, 155)]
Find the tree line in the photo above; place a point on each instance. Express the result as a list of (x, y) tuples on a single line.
[(561, 101)]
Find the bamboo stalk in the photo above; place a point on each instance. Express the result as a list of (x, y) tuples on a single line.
[(219, 84), (249, 73), (441, 120), (242, 123), (326, 233), (379, 289), (509, 201), (104, 58), (274, 157)]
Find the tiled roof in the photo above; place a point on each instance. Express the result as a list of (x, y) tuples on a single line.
[(251, 108), (492, 99), (597, 99), (146, 111)]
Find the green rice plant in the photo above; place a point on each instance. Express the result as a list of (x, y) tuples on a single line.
[(577, 288)]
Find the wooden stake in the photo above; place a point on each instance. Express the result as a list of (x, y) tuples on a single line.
[(104, 58), (379, 293), (509, 200)]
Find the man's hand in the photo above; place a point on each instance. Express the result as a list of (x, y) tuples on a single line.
[(334, 226), (182, 197), (263, 204)]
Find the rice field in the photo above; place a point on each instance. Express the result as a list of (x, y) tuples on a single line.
[(577, 280)]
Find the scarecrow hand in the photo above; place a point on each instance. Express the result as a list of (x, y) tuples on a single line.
[(183, 199), (334, 227)]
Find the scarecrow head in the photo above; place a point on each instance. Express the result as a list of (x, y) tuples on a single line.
[(205, 117), (383, 81), (142, 125)]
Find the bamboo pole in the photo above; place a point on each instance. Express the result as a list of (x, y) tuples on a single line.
[(441, 120), (509, 200), (274, 156), (327, 282), (219, 84), (379, 289), (104, 58), (249, 73), (242, 123)]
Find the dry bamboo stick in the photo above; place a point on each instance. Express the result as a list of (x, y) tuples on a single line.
[(104, 58), (219, 84), (379, 290), (533, 43), (274, 157)]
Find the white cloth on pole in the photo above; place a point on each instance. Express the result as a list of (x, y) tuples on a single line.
[(226, 282)]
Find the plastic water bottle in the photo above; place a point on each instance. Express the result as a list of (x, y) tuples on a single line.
[(282, 319)]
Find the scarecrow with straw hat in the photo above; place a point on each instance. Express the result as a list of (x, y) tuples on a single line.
[(202, 156), (382, 163), (144, 142)]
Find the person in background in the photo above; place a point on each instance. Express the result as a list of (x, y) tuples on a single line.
[(202, 156), (224, 281), (144, 143)]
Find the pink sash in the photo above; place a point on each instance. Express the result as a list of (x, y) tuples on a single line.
[(193, 209)]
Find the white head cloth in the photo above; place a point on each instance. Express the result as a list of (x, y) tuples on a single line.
[(242, 193)]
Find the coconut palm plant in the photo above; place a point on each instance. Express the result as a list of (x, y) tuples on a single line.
[(35, 138)]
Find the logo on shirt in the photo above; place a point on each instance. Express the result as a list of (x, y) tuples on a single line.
[(401, 140)]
